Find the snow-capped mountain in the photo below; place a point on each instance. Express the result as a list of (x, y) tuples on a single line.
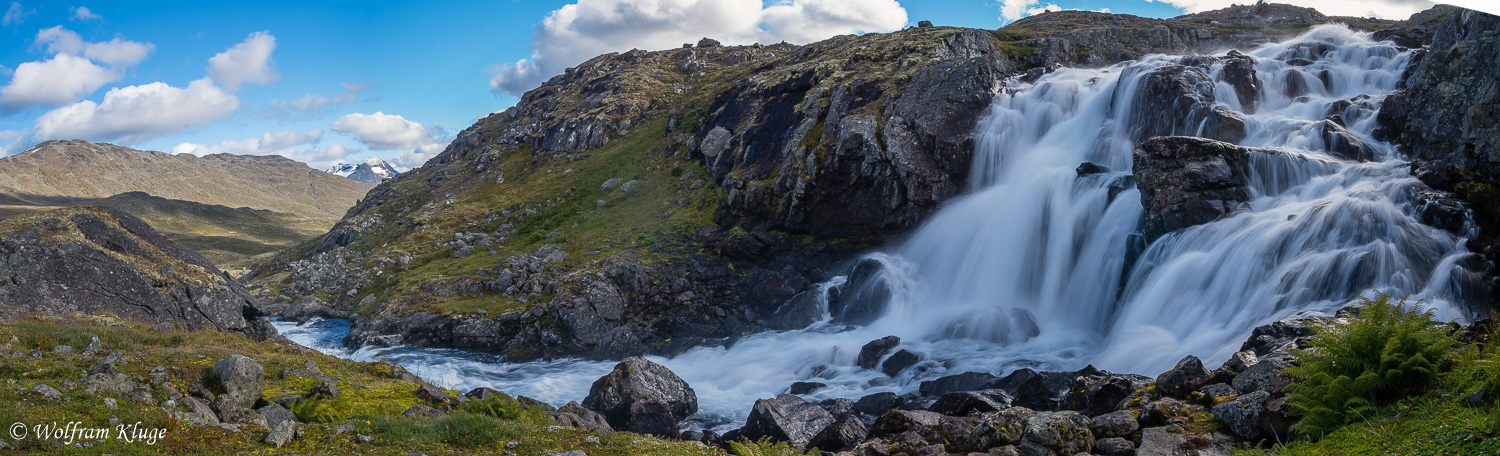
[(372, 171)]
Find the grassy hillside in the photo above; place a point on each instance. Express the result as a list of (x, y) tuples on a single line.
[(371, 400)]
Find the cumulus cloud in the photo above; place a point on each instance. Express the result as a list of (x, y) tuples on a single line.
[(582, 30), (286, 143), (314, 103), (7, 135), (62, 79), (83, 14), (135, 113), (246, 63), (117, 52), (381, 131), (72, 73), (1013, 10), (16, 14), (1387, 9), (416, 157), (267, 144)]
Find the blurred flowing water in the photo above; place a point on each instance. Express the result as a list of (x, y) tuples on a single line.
[(1029, 268)]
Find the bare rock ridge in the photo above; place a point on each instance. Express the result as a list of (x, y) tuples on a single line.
[(98, 261), (783, 160)]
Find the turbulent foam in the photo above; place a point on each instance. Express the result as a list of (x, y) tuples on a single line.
[(1029, 269)]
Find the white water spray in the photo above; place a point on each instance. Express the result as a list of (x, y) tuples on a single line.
[(1028, 270)]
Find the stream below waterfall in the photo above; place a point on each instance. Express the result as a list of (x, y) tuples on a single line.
[(1028, 269)]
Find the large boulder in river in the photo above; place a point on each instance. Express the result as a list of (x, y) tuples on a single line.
[(103, 261), (1187, 181), (634, 380)]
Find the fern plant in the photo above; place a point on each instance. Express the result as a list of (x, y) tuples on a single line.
[(1383, 353), (313, 411), (764, 447)]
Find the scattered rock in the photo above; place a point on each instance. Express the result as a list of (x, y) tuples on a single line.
[(422, 411), (50, 393), (1243, 414), (842, 435), (281, 434), (1119, 423), (241, 379), (801, 388), (1057, 433), (326, 389), (899, 361), (1187, 377), (275, 414), (786, 418)]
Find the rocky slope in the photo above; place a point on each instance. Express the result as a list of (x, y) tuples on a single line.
[(372, 171), (1448, 118), (649, 201), (83, 260)]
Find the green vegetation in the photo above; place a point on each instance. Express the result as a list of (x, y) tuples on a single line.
[(371, 399), (1381, 354), (1410, 406), (765, 447)]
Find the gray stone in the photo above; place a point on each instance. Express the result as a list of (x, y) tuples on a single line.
[(1244, 414), (1114, 424), (786, 418), (281, 434), (241, 379), (1059, 432), (275, 414), (50, 393), (422, 411), (635, 379), (1185, 378)]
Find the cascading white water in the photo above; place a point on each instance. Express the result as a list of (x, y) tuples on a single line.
[(1028, 270)]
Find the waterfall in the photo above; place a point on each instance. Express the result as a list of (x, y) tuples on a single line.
[(1041, 265)]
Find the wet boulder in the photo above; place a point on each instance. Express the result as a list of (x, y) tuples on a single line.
[(863, 298), (1098, 394), (1187, 181), (1239, 72), (1179, 100), (801, 388), (577, 416), (801, 310), (1340, 142), (1184, 379), (637, 379), (899, 361), (969, 402), (786, 418), (871, 354), (875, 405), (967, 381)]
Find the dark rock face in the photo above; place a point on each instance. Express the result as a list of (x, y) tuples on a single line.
[(967, 381), (1340, 142), (899, 361), (1445, 120), (921, 133), (1187, 181), (634, 380), (97, 261), (1176, 100), (863, 298), (786, 418), (970, 402), (1244, 414), (1239, 71), (872, 352)]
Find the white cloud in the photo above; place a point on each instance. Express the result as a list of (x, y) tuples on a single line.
[(135, 113), (248, 62), (381, 131), (62, 79), (286, 143), (416, 157), (7, 135), (314, 103), (83, 14), (580, 31), (16, 14), (1388, 9), (117, 52), (267, 144)]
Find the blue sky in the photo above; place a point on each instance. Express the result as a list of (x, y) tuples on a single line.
[(340, 81)]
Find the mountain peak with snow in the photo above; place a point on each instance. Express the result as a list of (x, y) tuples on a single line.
[(372, 171)]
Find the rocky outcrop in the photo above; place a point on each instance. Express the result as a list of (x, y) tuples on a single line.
[(97, 261), (1179, 100), (642, 396), (1187, 181), (1446, 121), (844, 156)]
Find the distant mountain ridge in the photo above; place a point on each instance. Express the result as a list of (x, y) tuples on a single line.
[(372, 171), (57, 172), (229, 208)]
